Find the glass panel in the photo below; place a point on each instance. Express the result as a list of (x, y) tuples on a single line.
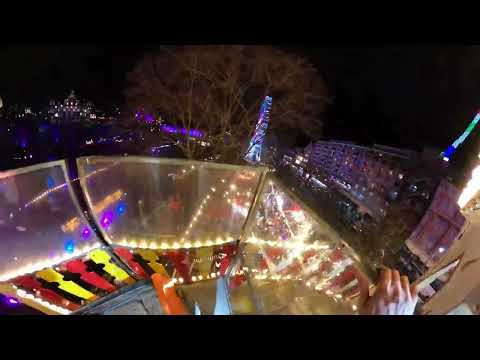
[(296, 262), (178, 218), (142, 202), (49, 255)]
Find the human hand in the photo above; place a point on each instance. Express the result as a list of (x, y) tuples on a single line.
[(393, 295)]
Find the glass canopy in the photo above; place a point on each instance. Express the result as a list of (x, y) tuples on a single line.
[(231, 239)]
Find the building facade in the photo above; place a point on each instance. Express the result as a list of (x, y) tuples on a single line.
[(70, 110), (369, 175)]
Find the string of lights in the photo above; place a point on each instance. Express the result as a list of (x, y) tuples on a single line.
[(26, 295), (154, 245), (288, 244), (202, 205), (184, 173), (61, 186)]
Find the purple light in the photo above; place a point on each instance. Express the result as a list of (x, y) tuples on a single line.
[(11, 302), (86, 233), (174, 130), (169, 129), (106, 219)]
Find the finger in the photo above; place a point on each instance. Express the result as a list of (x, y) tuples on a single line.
[(414, 292), (396, 285), (385, 279), (363, 285), (406, 286)]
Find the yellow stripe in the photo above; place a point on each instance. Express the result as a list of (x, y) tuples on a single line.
[(52, 276), (151, 257), (102, 257)]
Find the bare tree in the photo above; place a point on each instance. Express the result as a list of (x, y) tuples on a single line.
[(219, 90)]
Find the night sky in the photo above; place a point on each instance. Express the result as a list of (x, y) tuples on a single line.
[(399, 95)]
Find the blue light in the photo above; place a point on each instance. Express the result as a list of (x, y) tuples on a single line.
[(69, 246), (121, 207), (50, 182)]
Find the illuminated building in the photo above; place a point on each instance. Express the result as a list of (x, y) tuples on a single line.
[(371, 175), (70, 110)]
